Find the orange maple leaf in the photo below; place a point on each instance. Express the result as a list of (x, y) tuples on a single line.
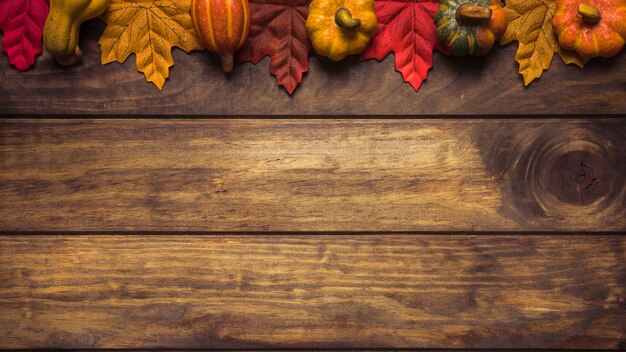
[(148, 28)]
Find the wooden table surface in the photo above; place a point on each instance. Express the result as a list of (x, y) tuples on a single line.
[(197, 87), (222, 213)]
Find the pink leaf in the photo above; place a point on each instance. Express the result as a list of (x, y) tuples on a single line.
[(22, 22)]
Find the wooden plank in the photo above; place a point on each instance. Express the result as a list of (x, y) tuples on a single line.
[(474, 86), (392, 291), (312, 175)]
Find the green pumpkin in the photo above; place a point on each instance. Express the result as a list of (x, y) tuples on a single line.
[(470, 27)]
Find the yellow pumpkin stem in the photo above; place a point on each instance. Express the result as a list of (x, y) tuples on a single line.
[(589, 14), (343, 18), (227, 62), (472, 15)]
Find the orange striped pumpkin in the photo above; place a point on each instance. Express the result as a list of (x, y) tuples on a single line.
[(222, 26)]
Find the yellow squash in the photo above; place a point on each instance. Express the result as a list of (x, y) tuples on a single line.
[(338, 28), (63, 24)]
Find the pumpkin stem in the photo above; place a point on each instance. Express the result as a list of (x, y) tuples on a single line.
[(471, 15), (227, 62), (590, 14), (343, 18)]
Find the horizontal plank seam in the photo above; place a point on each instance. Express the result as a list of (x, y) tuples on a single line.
[(366, 349), (492, 117), (312, 233)]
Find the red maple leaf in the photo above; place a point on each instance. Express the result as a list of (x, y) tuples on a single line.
[(22, 22), (277, 29), (405, 27)]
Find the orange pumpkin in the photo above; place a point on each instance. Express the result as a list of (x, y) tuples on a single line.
[(222, 26), (591, 27)]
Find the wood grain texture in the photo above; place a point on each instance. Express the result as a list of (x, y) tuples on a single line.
[(336, 291), (474, 86), (311, 175)]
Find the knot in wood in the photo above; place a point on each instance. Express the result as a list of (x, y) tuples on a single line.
[(560, 176), (579, 177)]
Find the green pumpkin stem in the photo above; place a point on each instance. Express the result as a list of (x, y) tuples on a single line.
[(589, 14), (343, 18), (471, 15)]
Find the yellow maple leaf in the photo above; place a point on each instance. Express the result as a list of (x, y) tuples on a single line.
[(530, 23), (148, 28), (571, 57)]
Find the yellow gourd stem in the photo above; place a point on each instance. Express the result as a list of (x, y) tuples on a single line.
[(343, 18), (472, 15), (590, 14), (227, 62), (71, 59)]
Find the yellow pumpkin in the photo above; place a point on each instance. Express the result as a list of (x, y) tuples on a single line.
[(591, 27), (338, 28)]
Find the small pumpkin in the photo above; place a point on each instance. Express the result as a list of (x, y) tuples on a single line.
[(470, 27), (338, 28), (60, 34), (222, 26), (591, 27)]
